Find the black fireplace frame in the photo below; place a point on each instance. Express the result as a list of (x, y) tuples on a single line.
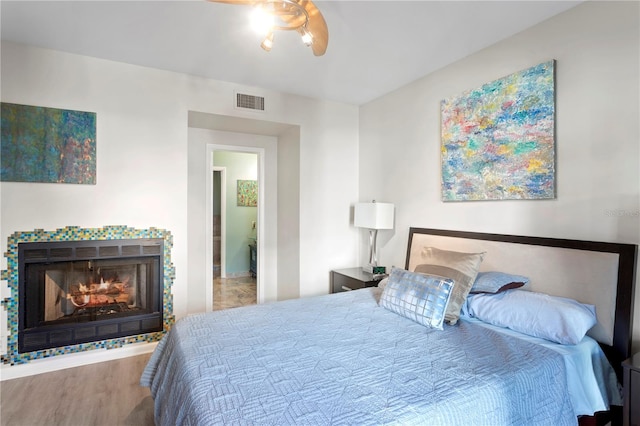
[(66, 334)]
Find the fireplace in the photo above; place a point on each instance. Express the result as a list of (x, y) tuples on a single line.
[(74, 292), (77, 289)]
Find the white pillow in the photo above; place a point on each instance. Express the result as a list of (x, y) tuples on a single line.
[(558, 319), (496, 282)]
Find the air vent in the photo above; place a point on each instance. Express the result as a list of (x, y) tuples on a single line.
[(245, 101), (61, 252), (109, 251), (130, 250), (155, 249), (35, 254), (86, 252)]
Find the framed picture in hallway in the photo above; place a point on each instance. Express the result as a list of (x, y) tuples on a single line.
[(247, 193)]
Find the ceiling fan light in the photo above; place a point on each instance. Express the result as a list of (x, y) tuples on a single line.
[(298, 16), (262, 20), (267, 43)]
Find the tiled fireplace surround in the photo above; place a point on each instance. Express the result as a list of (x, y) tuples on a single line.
[(98, 237)]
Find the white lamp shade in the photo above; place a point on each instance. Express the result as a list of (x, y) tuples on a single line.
[(373, 215)]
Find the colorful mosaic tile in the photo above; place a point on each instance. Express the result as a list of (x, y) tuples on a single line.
[(72, 233)]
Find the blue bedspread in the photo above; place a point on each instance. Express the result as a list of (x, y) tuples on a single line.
[(342, 359)]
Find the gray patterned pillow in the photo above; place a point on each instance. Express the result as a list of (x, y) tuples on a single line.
[(418, 297), (497, 282), (462, 268)]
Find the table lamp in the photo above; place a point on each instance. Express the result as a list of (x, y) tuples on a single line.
[(373, 216)]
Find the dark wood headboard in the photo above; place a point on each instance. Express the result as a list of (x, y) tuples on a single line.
[(619, 347)]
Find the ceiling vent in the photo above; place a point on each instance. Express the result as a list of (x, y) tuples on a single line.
[(254, 103)]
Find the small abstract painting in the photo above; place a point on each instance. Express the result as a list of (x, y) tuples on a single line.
[(248, 193), (47, 145), (498, 141)]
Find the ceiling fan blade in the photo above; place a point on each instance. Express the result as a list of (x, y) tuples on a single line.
[(317, 27)]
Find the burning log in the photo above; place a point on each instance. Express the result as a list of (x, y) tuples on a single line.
[(98, 294)]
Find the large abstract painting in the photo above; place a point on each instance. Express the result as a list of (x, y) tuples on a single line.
[(47, 145), (247, 193), (498, 140)]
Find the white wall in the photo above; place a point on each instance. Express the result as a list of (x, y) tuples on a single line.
[(328, 189), (596, 46), (289, 214), (142, 158)]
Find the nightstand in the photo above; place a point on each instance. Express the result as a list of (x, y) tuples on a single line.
[(631, 391), (352, 279)]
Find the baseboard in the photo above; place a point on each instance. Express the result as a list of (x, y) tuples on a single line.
[(61, 362)]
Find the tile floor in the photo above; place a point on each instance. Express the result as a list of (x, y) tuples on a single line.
[(233, 292)]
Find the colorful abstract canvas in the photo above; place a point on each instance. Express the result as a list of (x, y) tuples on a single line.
[(47, 145), (248, 193), (498, 140)]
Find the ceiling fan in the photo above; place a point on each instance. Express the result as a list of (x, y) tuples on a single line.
[(290, 15)]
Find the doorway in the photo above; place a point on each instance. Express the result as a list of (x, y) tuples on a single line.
[(278, 224), (235, 183)]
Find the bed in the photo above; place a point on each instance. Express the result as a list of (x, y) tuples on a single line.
[(347, 358)]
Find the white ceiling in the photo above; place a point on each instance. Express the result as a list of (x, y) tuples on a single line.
[(374, 46)]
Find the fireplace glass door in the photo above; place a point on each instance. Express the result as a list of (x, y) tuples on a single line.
[(81, 291), (74, 292)]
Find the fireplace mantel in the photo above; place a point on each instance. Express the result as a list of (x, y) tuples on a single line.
[(99, 237)]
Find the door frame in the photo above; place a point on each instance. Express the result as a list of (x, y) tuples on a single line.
[(223, 219), (211, 148)]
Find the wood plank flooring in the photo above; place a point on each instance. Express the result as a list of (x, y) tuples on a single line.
[(103, 394), (100, 394)]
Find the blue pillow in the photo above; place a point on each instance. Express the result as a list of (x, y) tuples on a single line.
[(419, 297), (558, 319), (495, 282)]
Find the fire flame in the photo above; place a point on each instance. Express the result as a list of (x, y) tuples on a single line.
[(99, 294)]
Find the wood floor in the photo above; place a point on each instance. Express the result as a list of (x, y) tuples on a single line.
[(104, 394), (100, 394)]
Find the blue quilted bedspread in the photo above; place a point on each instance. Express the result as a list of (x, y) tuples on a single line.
[(342, 359)]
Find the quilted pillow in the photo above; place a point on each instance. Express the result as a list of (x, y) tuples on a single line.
[(462, 268), (558, 319), (495, 282), (418, 297)]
